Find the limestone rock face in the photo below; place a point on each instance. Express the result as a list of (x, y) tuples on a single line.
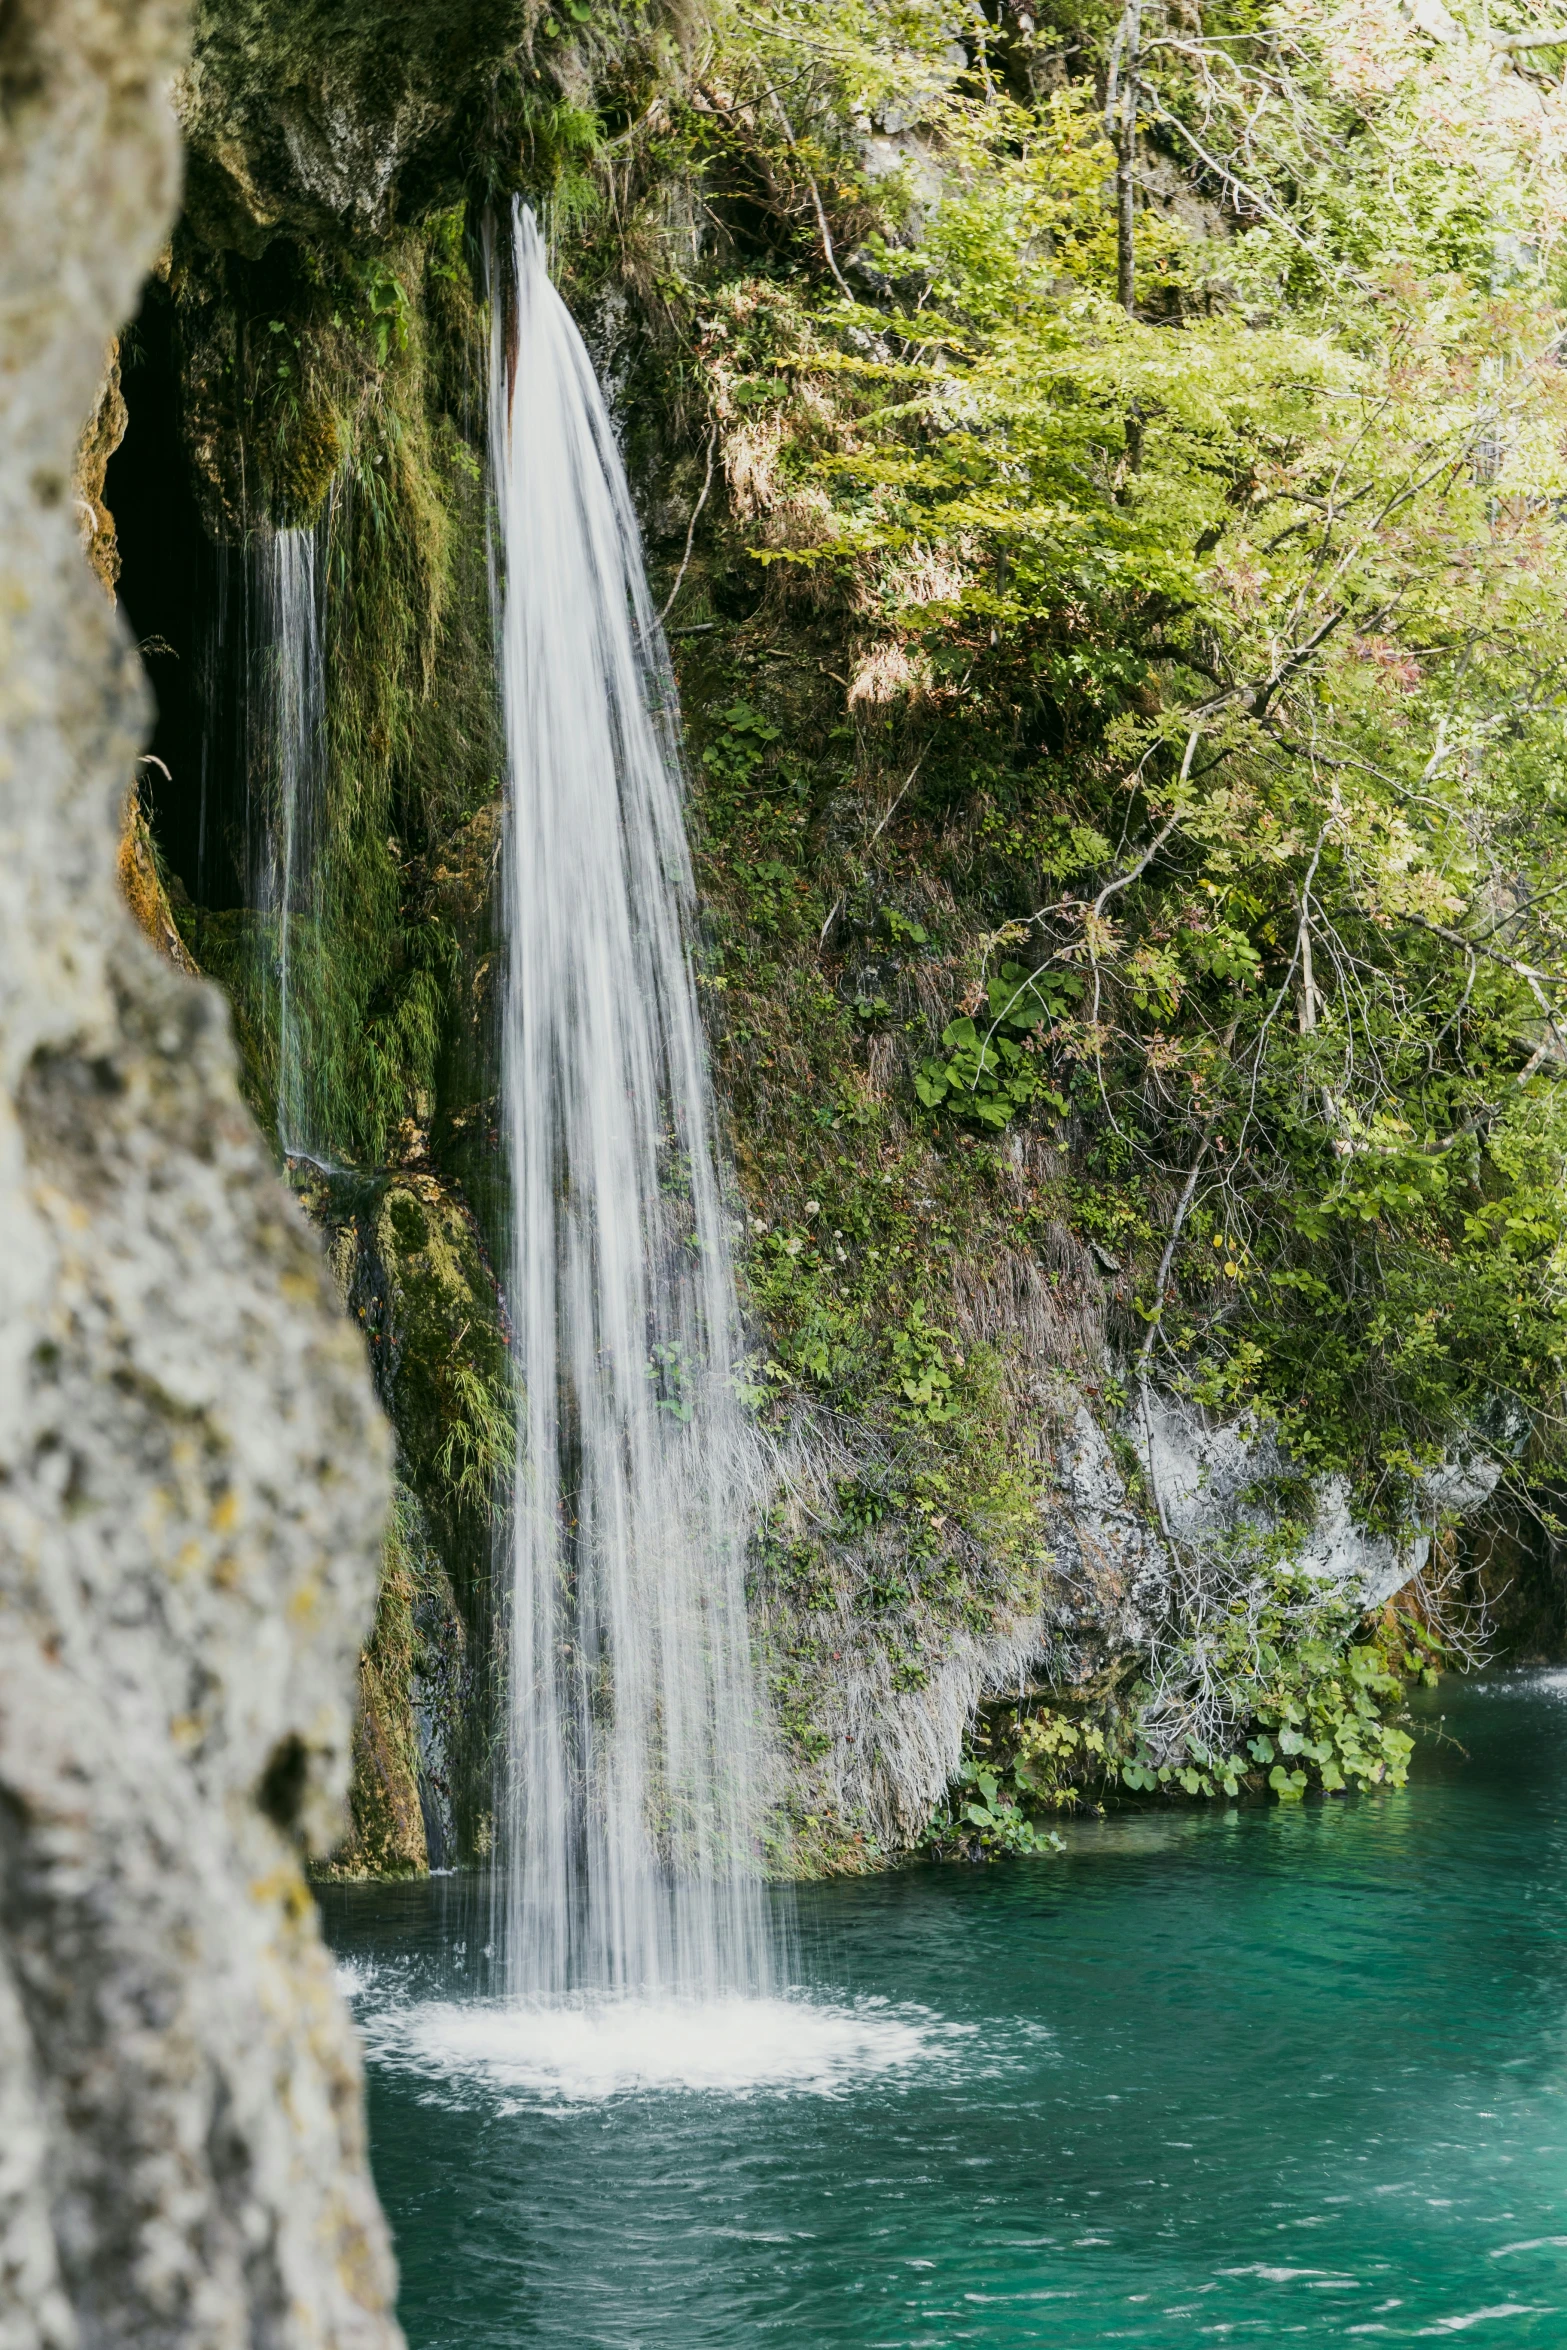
[(305, 114), (192, 1467)]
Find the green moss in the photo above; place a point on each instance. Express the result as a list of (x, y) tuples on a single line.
[(302, 114), (418, 1281), (344, 390), (386, 1834), (430, 1311), (224, 946), (335, 373), (343, 125)]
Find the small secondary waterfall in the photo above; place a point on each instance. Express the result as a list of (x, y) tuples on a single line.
[(632, 1806), (289, 700)]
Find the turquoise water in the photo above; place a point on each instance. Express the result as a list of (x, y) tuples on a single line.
[(1254, 2075)]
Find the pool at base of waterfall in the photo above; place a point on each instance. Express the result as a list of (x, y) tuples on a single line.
[(1234, 2075)]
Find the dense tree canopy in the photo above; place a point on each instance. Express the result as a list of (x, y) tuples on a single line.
[(1233, 614)]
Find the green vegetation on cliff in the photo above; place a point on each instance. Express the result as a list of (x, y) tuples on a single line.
[(1126, 686), (1212, 653), (1132, 761)]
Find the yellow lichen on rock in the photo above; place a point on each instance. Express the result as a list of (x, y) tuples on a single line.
[(143, 888), (102, 435)]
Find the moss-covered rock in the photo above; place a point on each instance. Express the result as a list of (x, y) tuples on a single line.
[(144, 885), (939, 1274), (386, 1835), (412, 1690), (303, 117), (301, 113), (345, 395), (412, 1267)]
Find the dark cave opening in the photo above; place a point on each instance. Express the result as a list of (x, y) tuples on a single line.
[(175, 587)]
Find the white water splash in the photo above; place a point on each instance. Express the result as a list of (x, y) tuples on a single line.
[(629, 1846), (1549, 1681), (578, 2053)]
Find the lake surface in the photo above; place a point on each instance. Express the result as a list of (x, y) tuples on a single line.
[(1239, 2075)]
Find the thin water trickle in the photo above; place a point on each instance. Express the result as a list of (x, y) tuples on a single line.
[(631, 1807), (289, 839)]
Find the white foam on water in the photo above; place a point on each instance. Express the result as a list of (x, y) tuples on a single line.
[(1539, 1681), (1475, 2317), (581, 2052)]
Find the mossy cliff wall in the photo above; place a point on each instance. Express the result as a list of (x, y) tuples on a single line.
[(944, 1287), (310, 357), (192, 1464)]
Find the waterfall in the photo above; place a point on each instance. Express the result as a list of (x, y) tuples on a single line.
[(630, 1817), (289, 700)]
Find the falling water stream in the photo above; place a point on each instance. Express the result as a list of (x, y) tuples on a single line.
[(1237, 2072), (288, 826), (632, 1802)]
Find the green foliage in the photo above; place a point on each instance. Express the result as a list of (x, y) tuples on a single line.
[(1129, 755), (738, 749), (922, 1370), (1225, 641), (987, 1823), (1304, 1697), (991, 1073)]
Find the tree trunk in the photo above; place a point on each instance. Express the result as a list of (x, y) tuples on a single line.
[(1123, 106)]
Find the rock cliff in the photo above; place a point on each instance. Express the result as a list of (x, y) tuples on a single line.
[(192, 1466)]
